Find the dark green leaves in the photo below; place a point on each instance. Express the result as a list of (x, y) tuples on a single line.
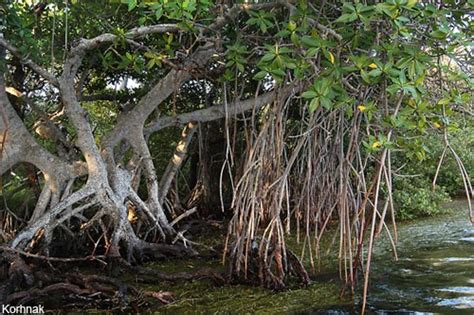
[(276, 61), (360, 12), (374, 144), (154, 59), (350, 14), (262, 19), (310, 94), (320, 94), (236, 55), (439, 34), (402, 84), (131, 4), (260, 75)]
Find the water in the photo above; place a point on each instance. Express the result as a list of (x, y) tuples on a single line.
[(435, 270), (434, 275)]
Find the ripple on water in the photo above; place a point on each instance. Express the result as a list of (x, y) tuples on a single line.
[(465, 301), (447, 260), (435, 272), (402, 312), (463, 290)]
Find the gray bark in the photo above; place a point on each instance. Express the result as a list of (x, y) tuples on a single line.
[(108, 184), (177, 159)]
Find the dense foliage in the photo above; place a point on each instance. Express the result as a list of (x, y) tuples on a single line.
[(415, 194), (305, 116)]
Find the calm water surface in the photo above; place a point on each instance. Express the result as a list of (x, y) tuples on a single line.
[(435, 270)]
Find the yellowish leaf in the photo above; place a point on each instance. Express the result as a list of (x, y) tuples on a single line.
[(376, 144), (411, 3), (362, 108), (331, 58), (373, 66), (11, 90)]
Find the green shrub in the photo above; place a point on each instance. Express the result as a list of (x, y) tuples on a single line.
[(413, 193), (413, 197)]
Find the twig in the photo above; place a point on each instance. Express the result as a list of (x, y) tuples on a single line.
[(183, 215), (99, 258)]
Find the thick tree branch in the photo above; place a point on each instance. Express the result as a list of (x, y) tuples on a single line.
[(18, 141), (29, 63), (177, 160), (219, 111), (88, 44), (173, 80), (160, 92)]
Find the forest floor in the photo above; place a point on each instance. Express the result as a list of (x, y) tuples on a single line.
[(118, 288), (197, 294)]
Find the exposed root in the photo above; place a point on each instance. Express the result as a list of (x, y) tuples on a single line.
[(99, 258), (59, 290), (271, 267)]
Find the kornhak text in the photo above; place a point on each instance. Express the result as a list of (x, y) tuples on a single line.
[(20, 309)]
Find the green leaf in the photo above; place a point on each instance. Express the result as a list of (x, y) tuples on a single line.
[(392, 89), (159, 12), (411, 3), (268, 57), (313, 105), (410, 89), (365, 76), (346, 18), (278, 72), (402, 77), (150, 64), (309, 41), (325, 102), (291, 25), (294, 38), (444, 101), (375, 73), (132, 4), (284, 33), (388, 9), (260, 75), (309, 94), (403, 63), (312, 52), (438, 34), (348, 7), (420, 80), (322, 86)]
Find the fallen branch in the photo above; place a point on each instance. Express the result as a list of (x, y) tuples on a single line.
[(184, 215), (99, 258)]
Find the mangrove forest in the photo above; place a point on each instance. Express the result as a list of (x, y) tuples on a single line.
[(236, 157)]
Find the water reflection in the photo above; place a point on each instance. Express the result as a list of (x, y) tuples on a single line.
[(435, 272)]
